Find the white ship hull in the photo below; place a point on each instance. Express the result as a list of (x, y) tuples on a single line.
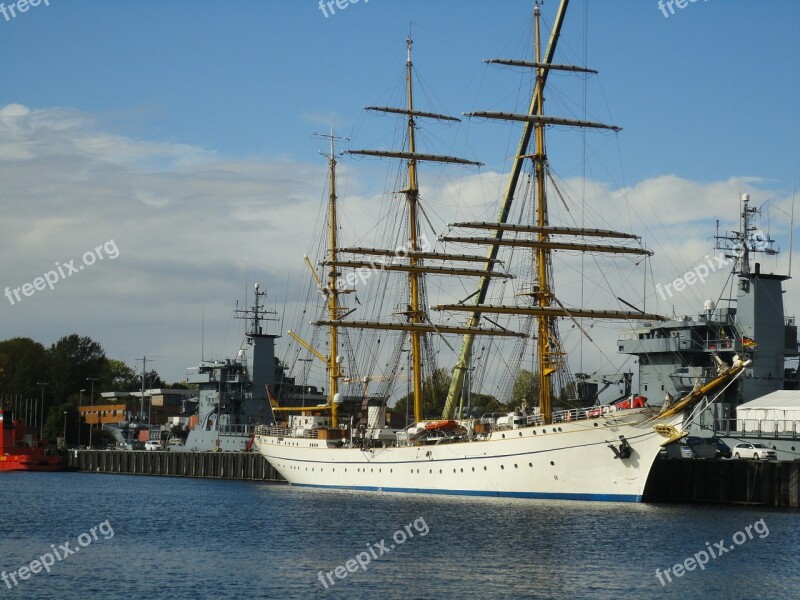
[(570, 460)]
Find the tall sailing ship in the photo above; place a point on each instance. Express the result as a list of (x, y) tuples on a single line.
[(582, 453)]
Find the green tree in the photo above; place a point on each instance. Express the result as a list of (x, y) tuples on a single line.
[(71, 360), (23, 362), (526, 387), (54, 425), (434, 394), (484, 403), (119, 377)]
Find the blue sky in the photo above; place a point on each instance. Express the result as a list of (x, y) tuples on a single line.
[(182, 130)]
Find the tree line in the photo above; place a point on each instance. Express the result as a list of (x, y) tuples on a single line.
[(66, 367)]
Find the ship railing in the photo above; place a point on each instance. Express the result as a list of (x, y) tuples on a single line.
[(769, 427), (758, 428), (286, 432), (274, 431), (491, 418), (534, 420)]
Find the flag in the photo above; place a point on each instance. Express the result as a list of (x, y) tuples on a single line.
[(273, 401), (748, 342)]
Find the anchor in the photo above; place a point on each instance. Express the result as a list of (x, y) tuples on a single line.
[(624, 450)]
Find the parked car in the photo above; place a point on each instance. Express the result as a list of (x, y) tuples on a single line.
[(677, 450), (152, 445), (756, 451), (708, 447)]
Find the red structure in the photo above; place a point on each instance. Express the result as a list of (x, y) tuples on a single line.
[(17, 455)]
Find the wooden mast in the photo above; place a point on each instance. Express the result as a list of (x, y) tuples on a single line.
[(412, 195), (417, 323), (334, 366), (457, 381), (546, 307)]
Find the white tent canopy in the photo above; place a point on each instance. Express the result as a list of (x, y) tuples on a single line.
[(778, 412)]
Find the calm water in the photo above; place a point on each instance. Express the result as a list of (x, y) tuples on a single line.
[(185, 538)]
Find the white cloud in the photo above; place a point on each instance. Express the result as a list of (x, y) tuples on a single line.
[(193, 228)]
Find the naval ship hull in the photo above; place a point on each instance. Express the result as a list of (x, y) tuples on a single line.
[(570, 460)]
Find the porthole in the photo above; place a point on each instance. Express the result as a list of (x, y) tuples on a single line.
[(484, 468), (440, 471), (595, 424), (502, 466), (473, 469), (552, 464), (504, 436), (515, 466), (520, 434), (530, 465)]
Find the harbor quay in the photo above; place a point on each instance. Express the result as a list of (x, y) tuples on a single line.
[(731, 482), (217, 465)]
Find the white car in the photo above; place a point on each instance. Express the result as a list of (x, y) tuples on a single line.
[(152, 445), (757, 451)]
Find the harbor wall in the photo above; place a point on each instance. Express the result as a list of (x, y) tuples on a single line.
[(216, 465), (753, 482)]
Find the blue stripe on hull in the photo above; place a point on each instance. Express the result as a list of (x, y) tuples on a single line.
[(535, 495)]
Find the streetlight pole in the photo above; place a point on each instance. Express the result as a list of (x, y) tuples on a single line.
[(65, 429), (91, 403), (80, 405), (41, 416)]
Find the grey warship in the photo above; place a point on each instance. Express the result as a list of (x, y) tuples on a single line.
[(235, 394), (678, 354)]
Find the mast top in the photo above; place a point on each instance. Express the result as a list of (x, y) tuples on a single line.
[(331, 137), (256, 315)]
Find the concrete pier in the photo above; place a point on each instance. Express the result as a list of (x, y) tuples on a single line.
[(217, 465), (753, 482)]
